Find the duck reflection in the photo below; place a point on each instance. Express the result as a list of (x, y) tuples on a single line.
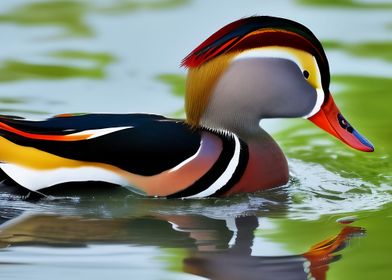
[(215, 250), (238, 263)]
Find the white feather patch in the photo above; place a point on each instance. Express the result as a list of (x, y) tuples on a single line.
[(36, 179), (274, 52), (99, 132), (188, 159), (319, 103), (226, 175)]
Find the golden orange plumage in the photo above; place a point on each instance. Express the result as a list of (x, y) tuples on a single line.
[(200, 84)]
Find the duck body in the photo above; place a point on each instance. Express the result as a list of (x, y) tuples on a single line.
[(148, 154), (252, 69)]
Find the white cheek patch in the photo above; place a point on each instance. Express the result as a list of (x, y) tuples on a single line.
[(276, 52), (317, 106)]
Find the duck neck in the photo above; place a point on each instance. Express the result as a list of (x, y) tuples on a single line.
[(249, 130), (263, 149), (246, 130), (222, 114)]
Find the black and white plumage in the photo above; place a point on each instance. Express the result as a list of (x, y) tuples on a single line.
[(123, 149)]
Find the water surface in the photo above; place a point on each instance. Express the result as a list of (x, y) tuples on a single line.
[(331, 221)]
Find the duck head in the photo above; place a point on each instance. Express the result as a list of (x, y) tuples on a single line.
[(263, 67)]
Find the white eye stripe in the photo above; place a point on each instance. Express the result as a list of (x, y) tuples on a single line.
[(269, 52)]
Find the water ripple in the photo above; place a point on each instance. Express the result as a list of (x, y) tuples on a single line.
[(316, 191)]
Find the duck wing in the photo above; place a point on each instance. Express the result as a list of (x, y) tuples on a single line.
[(140, 144)]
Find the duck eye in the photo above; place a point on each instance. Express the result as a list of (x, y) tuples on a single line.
[(306, 74)]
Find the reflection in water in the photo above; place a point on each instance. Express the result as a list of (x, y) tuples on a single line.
[(238, 263), (210, 251)]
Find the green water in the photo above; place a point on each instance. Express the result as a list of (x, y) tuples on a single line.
[(123, 56)]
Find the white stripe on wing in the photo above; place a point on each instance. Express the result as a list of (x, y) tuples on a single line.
[(226, 175)]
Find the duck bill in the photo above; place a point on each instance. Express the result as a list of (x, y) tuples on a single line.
[(331, 120)]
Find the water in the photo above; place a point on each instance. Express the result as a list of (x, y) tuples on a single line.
[(332, 220)]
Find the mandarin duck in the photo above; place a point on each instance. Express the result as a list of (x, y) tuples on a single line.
[(254, 68)]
